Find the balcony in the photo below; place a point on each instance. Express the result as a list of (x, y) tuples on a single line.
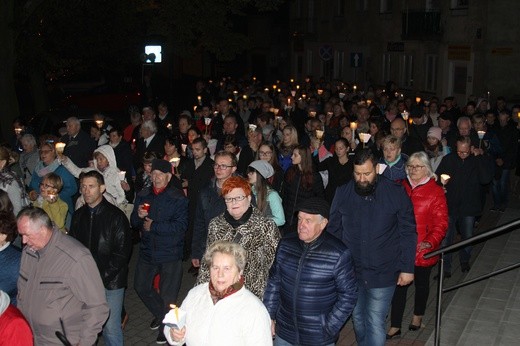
[(421, 25)]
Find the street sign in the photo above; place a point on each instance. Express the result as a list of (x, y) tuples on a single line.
[(326, 52), (356, 59)]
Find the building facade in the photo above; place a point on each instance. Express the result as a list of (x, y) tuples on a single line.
[(428, 47)]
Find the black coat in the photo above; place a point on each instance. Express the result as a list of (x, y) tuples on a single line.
[(106, 233), (467, 177), (79, 149), (156, 146), (338, 174), (294, 192)]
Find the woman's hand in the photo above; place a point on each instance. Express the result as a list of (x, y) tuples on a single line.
[(424, 245), (125, 186), (177, 335)]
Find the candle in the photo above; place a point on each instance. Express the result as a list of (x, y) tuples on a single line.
[(169, 126), (266, 90), (417, 99), (122, 175), (369, 102), (319, 134), (275, 111), (297, 87), (444, 179), (274, 86), (184, 146), (312, 114), (199, 98), (354, 87), (518, 115), (244, 97), (481, 134), (320, 91), (207, 121), (292, 80), (60, 146), (99, 123), (146, 207), (353, 127), (254, 78), (52, 198), (252, 127), (341, 95), (17, 130), (405, 115), (293, 93)]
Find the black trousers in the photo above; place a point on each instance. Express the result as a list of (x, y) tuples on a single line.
[(422, 291)]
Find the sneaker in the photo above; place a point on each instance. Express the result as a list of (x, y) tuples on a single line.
[(161, 339), (155, 324)]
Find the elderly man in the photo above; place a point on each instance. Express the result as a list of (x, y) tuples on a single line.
[(374, 217), (409, 144), (312, 289), (104, 229), (78, 144), (59, 288), (149, 141), (161, 215)]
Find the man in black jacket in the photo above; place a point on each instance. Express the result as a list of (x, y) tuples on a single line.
[(104, 229), (198, 171), (78, 144), (468, 170)]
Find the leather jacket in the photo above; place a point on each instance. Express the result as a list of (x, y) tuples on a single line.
[(105, 231)]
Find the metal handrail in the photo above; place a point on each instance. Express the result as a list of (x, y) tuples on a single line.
[(508, 227)]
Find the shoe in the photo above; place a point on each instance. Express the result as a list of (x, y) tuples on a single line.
[(124, 321), (413, 327), (161, 339), (464, 267), (447, 275), (395, 335), (156, 323)]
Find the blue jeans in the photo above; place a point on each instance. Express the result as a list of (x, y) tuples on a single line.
[(465, 226), (112, 332), (278, 341), (370, 313), (169, 285), (500, 189)]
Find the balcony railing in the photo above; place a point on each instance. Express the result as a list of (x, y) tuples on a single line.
[(421, 25)]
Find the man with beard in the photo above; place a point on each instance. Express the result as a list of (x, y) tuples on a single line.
[(374, 218)]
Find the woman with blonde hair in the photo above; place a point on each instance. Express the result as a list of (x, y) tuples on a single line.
[(287, 145)]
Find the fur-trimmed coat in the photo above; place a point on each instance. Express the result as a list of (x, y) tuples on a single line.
[(259, 236)]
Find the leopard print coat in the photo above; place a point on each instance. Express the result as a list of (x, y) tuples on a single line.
[(259, 236)]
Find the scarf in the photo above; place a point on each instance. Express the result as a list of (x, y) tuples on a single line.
[(42, 170), (216, 296), (237, 223)]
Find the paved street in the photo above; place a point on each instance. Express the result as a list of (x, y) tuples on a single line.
[(137, 331)]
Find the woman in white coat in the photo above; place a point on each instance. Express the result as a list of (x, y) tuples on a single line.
[(223, 311)]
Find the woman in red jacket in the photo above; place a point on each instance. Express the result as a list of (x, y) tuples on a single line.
[(431, 217)]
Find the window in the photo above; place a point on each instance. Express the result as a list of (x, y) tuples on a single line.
[(386, 6), (406, 71), (340, 8), (339, 64), (431, 73), (298, 12), (310, 23), (386, 67), (459, 4), (432, 5), (309, 62), (361, 5)]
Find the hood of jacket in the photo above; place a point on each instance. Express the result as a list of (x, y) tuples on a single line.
[(108, 152)]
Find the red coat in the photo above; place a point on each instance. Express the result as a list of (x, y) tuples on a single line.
[(14, 329), (431, 217)]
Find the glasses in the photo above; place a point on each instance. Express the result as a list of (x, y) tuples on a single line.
[(265, 153), (221, 167), (47, 186), (230, 200), (414, 168)]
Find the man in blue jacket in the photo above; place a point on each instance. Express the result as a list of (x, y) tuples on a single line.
[(374, 218), (311, 290), (161, 215)]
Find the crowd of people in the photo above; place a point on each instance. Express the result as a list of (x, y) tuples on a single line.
[(298, 205)]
